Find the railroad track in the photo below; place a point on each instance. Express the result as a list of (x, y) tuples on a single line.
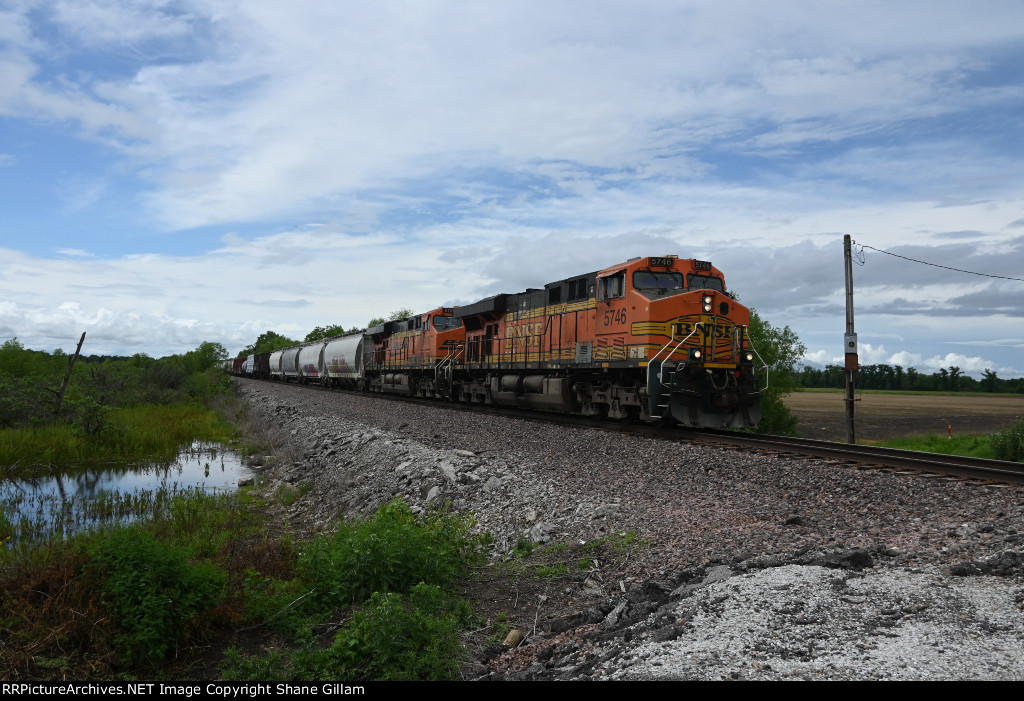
[(865, 455), (936, 463)]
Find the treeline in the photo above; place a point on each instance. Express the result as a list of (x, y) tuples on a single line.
[(30, 382), (270, 341), (895, 377)]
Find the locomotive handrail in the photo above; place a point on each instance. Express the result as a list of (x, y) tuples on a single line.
[(673, 351), (754, 351), (661, 370), (449, 360), (447, 364)]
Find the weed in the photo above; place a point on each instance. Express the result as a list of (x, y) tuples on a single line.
[(523, 548), (1008, 444), (391, 552), (239, 667), (394, 568), (972, 446), (152, 590), (286, 495), (616, 543), (551, 571), (395, 638)]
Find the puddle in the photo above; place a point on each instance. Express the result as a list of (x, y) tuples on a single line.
[(113, 493)]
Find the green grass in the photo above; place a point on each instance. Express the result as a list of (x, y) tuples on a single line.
[(914, 392), (1007, 444), (970, 446), (193, 514), (371, 601), (144, 432), (287, 495), (567, 559)]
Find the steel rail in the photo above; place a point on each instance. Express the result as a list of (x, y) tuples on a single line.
[(893, 458), (957, 465)]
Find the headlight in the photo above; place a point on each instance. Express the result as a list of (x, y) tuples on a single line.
[(696, 354), (707, 300)]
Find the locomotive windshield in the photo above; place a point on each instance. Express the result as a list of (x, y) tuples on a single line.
[(704, 282), (648, 280), (442, 323)]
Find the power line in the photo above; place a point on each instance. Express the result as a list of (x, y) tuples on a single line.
[(936, 265)]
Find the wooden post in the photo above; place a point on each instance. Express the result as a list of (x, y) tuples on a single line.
[(67, 375), (850, 343)]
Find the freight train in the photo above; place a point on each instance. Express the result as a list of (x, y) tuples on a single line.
[(655, 338)]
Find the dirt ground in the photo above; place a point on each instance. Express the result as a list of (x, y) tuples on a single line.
[(883, 415)]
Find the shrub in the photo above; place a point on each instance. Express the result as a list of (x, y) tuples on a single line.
[(392, 552), (1008, 444), (394, 638), (151, 589)]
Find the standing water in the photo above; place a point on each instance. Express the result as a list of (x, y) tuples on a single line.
[(92, 495)]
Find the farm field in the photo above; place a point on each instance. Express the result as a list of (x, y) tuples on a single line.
[(882, 415)]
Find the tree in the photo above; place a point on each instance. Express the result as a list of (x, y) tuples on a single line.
[(779, 349), (954, 378), (397, 315), (329, 331), (991, 382), (268, 341), (205, 356)]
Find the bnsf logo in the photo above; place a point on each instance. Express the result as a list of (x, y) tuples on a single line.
[(524, 335)]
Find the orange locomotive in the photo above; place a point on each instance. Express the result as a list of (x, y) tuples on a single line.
[(652, 338)]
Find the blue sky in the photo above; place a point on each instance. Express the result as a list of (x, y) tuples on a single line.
[(179, 171)]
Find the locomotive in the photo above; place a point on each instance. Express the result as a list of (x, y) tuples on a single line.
[(654, 338)]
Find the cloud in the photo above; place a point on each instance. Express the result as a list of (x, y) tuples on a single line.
[(106, 22), (871, 355), (256, 109), (362, 156)]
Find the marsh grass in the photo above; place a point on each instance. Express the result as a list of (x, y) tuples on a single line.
[(148, 432), (27, 519), (122, 597)]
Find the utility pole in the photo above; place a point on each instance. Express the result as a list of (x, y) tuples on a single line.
[(850, 343)]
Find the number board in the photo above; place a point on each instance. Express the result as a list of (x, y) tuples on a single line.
[(661, 262), (702, 265)]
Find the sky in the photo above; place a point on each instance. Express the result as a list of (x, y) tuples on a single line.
[(174, 172)]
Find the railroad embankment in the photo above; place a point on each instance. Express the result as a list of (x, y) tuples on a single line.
[(629, 558)]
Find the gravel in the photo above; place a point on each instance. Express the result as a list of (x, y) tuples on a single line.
[(750, 565)]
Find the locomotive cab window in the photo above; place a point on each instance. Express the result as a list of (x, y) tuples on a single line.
[(443, 323), (612, 286), (577, 289), (650, 280), (704, 282)]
